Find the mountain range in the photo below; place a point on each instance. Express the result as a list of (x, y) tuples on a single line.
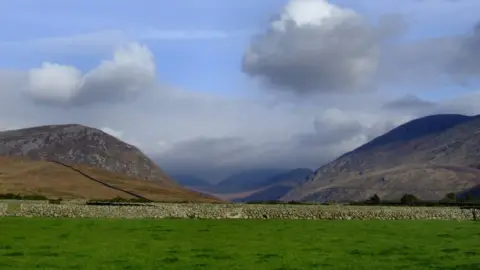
[(248, 185), (427, 157)]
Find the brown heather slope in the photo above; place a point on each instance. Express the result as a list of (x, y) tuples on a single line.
[(28, 177), (428, 157)]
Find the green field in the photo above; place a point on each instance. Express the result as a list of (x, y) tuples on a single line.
[(34, 243)]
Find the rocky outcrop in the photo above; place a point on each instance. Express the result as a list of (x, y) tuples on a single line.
[(241, 211)]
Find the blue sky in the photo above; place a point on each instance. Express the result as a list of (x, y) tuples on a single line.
[(208, 63), (205, 63), (298, 102)]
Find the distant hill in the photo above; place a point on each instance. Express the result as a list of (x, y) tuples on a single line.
[(428, 157), (244, 181), (190, 181), (255, 185), (77, 145), (276, 187)]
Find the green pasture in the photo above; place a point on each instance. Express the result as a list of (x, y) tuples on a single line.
[(40, 243)]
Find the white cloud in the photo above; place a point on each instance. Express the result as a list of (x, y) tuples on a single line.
[(122, 78), (54, 83)]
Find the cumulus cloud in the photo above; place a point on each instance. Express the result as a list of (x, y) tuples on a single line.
[(315, 46), (130, 72)]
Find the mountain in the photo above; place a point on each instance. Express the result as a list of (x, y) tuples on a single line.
[(190, 181), (276, 187), (77, 145), (244, 181), (428, 157)]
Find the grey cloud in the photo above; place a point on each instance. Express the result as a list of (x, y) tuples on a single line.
[(341, 52), (409, 102), (214, 136), (432, 63), (338, 52), (466, 64)]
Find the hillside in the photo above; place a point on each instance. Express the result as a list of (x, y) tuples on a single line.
[(29, 156), (81, 145), (190, 181), (428, 157), (28, 177)]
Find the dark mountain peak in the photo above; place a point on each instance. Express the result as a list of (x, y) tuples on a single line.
[(80, 145)]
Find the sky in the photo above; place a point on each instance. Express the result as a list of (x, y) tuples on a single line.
[(213, 87)]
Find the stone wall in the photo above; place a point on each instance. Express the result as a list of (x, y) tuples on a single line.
[(3, 209), (245, 211)]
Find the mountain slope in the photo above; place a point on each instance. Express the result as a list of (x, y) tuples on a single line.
[(50, 179), (90, 149), (190, 181), (77, 144), (429, 157)]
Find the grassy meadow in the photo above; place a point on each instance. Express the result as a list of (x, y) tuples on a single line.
[(36, 243)]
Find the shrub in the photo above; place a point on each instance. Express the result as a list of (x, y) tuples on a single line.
[(450, 197), (35, 197), (116, 200), (408, 199), (11, 196), (55, 201)]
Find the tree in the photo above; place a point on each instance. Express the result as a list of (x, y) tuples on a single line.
[(408, 199), (450, 197), (374, 199), (469, 197)]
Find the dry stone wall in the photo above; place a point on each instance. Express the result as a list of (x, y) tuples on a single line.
[(3, 209), (243, 211)]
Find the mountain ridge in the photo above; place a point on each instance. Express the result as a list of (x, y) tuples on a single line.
[(403, 165)]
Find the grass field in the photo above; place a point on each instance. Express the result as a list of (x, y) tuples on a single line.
[(34, 243)]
